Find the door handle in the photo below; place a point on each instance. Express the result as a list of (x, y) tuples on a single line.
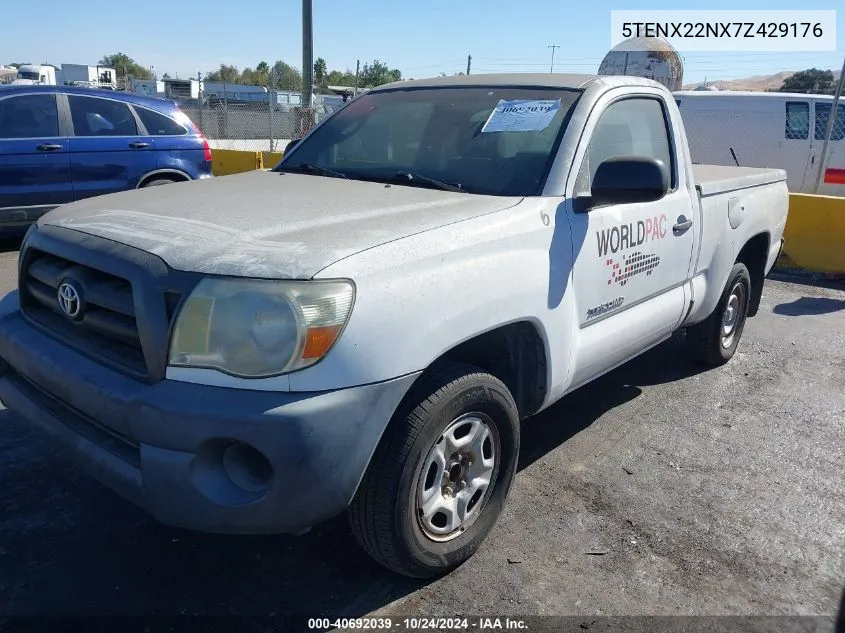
[(48, 147), (682, 225), (139, 145)]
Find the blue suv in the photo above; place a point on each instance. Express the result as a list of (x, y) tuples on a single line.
[(59, 144)]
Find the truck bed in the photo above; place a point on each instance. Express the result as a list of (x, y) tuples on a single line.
[(715, 179)]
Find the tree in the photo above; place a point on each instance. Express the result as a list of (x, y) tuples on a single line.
[(124, 65), (262, 73), (812, 80), (338, 78), (378, 73), (320, 71), (226, 73), (286, 77)]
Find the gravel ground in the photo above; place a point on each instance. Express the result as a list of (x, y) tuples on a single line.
[(657, 490)]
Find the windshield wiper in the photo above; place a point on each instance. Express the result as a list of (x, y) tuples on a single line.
[(445, 186), (323, 171)]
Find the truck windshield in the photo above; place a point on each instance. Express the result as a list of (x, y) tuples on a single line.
[(27, 74), (482, 140)]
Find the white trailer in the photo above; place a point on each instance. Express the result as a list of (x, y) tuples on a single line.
[(767, 129), (85, 75), (148, 87), (37, 74)]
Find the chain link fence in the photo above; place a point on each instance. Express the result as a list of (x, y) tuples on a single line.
[(253, 118)]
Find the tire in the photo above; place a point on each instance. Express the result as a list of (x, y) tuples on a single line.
[(155, 182), (707, 341), (385, 515)]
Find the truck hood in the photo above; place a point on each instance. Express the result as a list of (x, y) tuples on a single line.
[(267, 224)]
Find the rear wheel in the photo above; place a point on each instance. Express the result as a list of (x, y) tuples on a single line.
[(439, 478), (714, 340)]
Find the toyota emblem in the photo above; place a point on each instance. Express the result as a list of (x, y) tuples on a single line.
[(69, 300)]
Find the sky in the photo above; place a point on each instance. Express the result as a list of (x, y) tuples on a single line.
[(420, 38)]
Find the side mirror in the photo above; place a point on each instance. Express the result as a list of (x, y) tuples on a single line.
[(291, 145), (628, 179)]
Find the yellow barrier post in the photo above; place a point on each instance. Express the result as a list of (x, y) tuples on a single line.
[(230, 161), (270, 159), (815, 233)]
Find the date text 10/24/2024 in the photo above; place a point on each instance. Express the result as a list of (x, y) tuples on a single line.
[(419, 624)]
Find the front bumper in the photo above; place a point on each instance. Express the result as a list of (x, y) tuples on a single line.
[(187, 453)]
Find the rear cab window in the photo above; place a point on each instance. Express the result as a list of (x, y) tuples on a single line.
[(93, 116), (158, 124), (29, 116)]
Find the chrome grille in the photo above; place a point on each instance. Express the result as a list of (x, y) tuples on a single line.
[(106, 326)]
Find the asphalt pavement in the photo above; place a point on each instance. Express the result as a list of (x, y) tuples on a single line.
[(661, 489)]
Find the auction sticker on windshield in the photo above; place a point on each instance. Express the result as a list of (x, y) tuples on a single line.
[(522, 115)]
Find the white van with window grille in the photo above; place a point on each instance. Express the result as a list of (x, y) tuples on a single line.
[(767, 129)]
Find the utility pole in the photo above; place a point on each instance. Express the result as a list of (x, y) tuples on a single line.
[(307, 54), (306, 114), (357, 72), (830, 119), (469, 63), (553, 47)]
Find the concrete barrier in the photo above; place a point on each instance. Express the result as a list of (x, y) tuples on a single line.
[(228, 161), (225, 162), (815, 234), (271, 159)]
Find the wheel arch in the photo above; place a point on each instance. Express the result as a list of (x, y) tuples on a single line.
[(754, 254), (176, 175), (516, 353)]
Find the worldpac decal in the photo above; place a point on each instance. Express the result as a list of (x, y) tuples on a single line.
[(631, 265), (631, 235)]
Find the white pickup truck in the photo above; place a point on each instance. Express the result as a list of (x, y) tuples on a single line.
[(363, 327)]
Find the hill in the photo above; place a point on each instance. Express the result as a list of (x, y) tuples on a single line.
[(756, 83)]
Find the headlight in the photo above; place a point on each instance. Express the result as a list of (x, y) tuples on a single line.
[(254, 328)]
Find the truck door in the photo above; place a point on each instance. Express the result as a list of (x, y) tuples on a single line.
[(34, 158), (108, 153), (795, 155), (833, 176), (631, 260)]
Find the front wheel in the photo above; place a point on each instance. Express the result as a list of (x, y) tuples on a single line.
[(714, 340), (440, 475)]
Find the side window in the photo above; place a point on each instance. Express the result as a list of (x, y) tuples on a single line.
[(797, 120), (29, 116), (630, 127), (822, 115), (93, 116), (158, 124)]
